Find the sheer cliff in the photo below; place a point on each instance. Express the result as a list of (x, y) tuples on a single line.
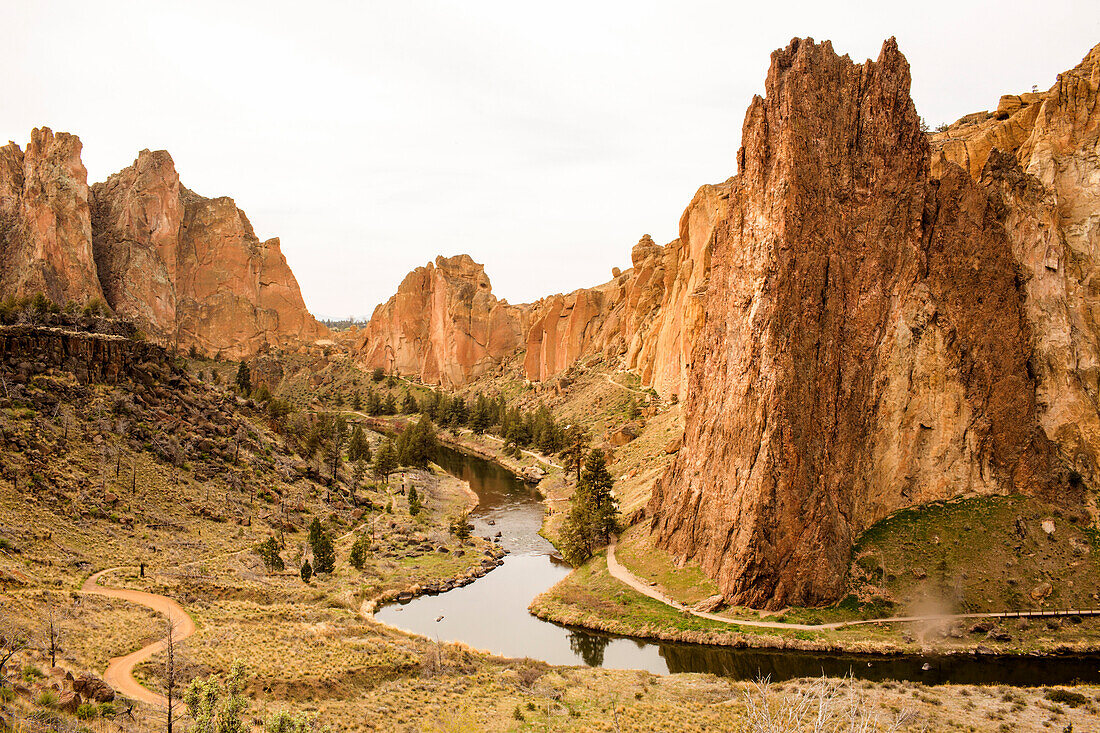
[(189, 270), (868, 341)]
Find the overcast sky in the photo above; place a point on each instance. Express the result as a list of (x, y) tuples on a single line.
[(542, 138)]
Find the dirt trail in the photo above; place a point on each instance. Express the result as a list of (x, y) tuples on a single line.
[(120, 670), (623, 575)]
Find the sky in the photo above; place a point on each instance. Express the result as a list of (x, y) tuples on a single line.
[(544, 139)]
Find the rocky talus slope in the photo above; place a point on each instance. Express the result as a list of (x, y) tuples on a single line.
[(877, 332), (189, 270)]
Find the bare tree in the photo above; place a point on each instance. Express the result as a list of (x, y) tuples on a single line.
[(12, 641), (52, 634), (171, 667)]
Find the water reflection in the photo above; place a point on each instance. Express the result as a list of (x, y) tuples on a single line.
[(589, 647), (491, 614)]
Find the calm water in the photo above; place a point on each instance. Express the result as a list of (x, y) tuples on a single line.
[(491, 614)]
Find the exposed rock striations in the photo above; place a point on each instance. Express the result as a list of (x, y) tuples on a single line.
[(444, 325), (45, 224), (188, 270), (866, 344)]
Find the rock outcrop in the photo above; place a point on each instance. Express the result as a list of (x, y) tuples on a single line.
[(444, 325), (866, 346), (191, 268), (1040, 155), (45, 224), (188, 270)]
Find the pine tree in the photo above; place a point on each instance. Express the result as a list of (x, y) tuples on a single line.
[(593, 511), (481, 419), (358, 447), (416, 444), (268, 550), (306, 572), (409, 405), (315, 531), (414, 502), (244, 379), (385, 460), (389, 407), (360, 552), (324, 555)]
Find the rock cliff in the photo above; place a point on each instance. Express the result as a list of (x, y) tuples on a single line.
[(45, 223), (189, 270), (444, 325), (867, 343)]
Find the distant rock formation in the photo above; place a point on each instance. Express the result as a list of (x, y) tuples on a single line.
[(188, 270), (443, 325), (45, 223), (867, 343)]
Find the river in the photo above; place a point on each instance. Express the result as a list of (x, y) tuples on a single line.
[(491, 614)]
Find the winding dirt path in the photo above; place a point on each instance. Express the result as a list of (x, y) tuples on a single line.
[(620, 573), (120, 670)]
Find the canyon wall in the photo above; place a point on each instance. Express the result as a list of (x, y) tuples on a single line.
[(45, 221), (188, 270), (443, 325), (868, 337)]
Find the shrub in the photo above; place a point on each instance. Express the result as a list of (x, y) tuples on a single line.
[(6, 694), (306, 572), (47, 698), (87, 710), (1066, 697), (106, 709), (31, 673)]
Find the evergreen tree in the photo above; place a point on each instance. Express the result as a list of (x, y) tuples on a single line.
[(268, 550), (593, 511), (481, 419), (324, 555), (356, 401), (358, 447), (414, 502), (360, 552), (374, 403), (244, 380), (306, 572), (315, 532), (389, 407), (409, 405), (385, 460), (576, 444), (416, 444)]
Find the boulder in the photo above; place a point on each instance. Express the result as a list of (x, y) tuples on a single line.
[(93, 688), (533, 474), (68, 701), (710, 604)]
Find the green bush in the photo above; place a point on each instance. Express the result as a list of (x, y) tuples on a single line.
[(1066, 697), (106, 709), (87, 710), (31, 673), (6, 694), (47, 698)]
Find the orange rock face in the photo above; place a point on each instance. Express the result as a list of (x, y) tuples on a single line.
[(191, 270), (188, 270), (865, 345), (45, 223), (443, 325)]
